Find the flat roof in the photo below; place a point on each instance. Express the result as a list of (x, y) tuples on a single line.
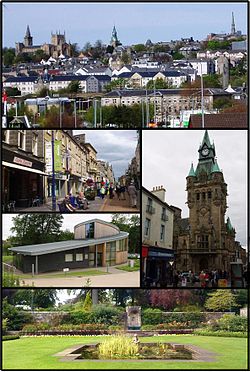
[(40, 249)]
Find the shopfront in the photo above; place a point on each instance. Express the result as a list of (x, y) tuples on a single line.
[(22, 179), (157, 266)]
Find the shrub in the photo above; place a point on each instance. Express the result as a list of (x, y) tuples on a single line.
[(78, 317), (106, 314), (16, 318), (5, 324), (220, 333), (9, 337), (152, 316), (231, 322), (117, 347)]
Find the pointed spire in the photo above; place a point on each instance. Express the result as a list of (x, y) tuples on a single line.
[(206, 140), (215, 167), (28, 32), (191, 172), (233, 31), (229, 225)]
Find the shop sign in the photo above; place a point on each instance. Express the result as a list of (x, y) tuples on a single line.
[(222, 283), (24, 162), (57, 156), (48, 157)]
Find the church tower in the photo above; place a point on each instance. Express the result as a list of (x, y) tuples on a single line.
[(233, 30), (114, 38), (206, 200), (28, 39)]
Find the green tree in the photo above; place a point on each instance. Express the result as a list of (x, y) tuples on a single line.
[(221, 103), (36, 228), (39, 55), (221, 300), (36, 298), (23, 58), (159, 83), (126, 58), (178, 55), (75, 50), (138, 48), (217, 45), (12, 92), (8, 55), (87, 304), (74, 87)]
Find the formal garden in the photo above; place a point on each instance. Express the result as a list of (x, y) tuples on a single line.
[(124, 329)]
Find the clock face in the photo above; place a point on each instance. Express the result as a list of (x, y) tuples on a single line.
[(205, 151)]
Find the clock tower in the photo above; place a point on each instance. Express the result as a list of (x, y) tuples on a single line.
[(207, 243)]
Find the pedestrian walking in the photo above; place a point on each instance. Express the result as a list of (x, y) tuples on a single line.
[(132, 195), (102, 192), (122, 192)]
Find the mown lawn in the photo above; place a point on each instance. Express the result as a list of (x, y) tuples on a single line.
[(37, 353), (128, 268), (63, 275)]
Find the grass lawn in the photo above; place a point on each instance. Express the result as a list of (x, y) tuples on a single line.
[(8, 260), (62, 275), (37, 353), (128, 268)]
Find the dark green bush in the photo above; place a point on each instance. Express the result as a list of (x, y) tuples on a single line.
[(16, 318), (99, 314), (9, 337), (155, 316), (152, 316)]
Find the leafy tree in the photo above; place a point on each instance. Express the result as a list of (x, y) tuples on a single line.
[(139, 48), (23, 58), (221, 103), (217, 45), (178, 55), (159, 83), (110, 49), (116, 84), (168, 299), (37, 298), (126, 58), (12, 91), (8, 56), (16, 318), (161, 48), (39, 55), (221, 300), (87, 46), (36, 228), (241, 297), (74, 86), (75, 50), (130, 225)]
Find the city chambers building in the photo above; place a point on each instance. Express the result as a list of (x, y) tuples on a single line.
[(96, 243), (206, 240)]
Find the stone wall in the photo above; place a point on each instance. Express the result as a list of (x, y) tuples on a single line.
[(47, 316), (208, 315)]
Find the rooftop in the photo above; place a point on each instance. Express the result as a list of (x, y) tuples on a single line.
[(231, 120)]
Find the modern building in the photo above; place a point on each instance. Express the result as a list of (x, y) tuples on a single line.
[(206, 240), (96, 243), (157, 238)]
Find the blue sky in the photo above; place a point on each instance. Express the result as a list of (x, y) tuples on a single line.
[(135, 22)]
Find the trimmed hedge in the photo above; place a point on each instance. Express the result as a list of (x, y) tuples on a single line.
[(156, 316), (9, 337), (208, 332)]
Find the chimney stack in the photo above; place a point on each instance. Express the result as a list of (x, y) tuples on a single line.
[(160, 192)]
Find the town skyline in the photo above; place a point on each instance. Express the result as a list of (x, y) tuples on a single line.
[(166, 24)]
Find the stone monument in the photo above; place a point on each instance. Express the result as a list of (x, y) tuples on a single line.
[(133, 318)]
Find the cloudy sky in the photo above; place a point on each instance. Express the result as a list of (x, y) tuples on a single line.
[(135, 22), (167, 157), (69, 221), (115, 146)]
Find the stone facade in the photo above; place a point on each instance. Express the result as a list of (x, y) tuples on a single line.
[(205, 241)]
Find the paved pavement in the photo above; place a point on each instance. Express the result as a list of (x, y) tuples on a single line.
[(115, 278), (97, 205)]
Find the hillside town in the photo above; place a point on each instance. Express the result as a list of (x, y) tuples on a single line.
[(166, 84)]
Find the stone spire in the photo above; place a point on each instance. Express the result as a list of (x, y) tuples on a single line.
[(215, 167), (233, 31), (28, 34)]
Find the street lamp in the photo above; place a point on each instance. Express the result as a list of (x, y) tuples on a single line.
[(53, 173)]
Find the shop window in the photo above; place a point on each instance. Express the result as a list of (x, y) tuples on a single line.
[(79, 256), (69, 257)]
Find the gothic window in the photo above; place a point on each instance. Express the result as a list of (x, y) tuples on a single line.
[(209, 194), (198, 196), (203, 196)]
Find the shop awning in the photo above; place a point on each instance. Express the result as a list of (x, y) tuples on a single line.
[(21, 167)]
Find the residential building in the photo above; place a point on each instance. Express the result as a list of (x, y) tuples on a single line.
[(157, 238), (96, 243)]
